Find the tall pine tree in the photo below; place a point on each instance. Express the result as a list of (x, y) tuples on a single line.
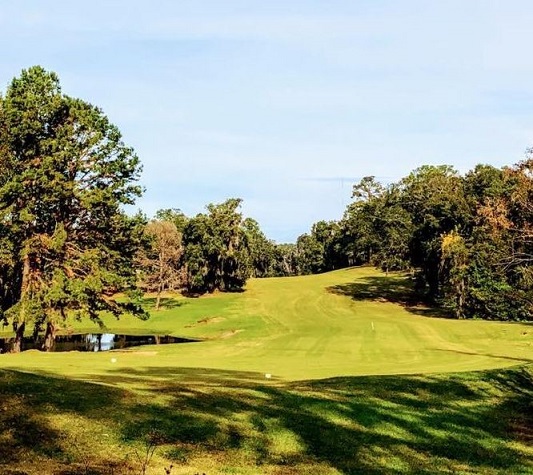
[(65, 174)]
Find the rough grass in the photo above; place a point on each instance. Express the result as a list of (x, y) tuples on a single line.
[(335, 344), (216, 422)]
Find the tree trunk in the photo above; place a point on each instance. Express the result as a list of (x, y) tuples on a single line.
[(158, 299), (17, 342), (160, 283), (460, 299), (49, 337), (19, 330)]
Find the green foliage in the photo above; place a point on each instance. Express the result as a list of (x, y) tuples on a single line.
[(310, 255), (321, 250), (64, 175), (259, 247), (467, 239), (216, 249), (434, 198), (285, 259), (174, 216)]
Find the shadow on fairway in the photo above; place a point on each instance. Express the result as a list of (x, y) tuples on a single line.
[(27, 436), (395, 289), (489, 355), (472, 422), (165, 302)]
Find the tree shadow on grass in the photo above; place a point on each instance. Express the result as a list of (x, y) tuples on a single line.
[(372, 425), (27, 435), (165, 302), (395, 289), (194, 295), (424, 424), (490, 355)]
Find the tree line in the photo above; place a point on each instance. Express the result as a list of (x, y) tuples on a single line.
[(215, 250), (67, 247), (466, 240)]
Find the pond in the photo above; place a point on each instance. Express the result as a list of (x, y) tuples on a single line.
[(95, 342)]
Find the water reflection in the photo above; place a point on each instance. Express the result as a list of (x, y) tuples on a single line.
[(94, 342)]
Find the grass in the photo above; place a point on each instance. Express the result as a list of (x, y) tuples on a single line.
[(364, 380)]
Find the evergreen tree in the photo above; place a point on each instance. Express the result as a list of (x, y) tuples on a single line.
[(64, 175)]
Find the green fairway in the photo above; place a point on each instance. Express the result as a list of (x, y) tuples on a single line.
[(349, 322), (216, 412)]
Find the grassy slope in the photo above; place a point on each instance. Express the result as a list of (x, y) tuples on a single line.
[(218, 414), (309, 327)]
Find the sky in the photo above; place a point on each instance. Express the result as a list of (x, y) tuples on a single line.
[(287, 103)]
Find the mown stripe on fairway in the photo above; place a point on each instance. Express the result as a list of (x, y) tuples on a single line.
[(298, 328)]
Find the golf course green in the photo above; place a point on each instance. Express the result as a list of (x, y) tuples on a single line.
[(326, 374)]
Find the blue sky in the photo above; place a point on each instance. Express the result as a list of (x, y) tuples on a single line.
[(287, 103)]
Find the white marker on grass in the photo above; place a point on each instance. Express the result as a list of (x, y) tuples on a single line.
[(372, 326), (268, 375)]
